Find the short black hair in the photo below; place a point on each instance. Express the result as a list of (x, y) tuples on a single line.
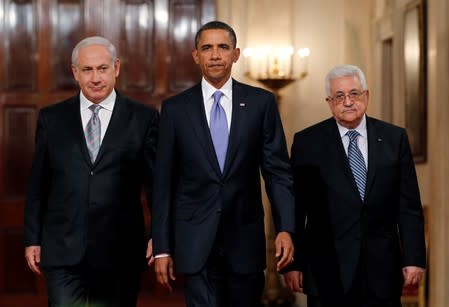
[(212, 25)]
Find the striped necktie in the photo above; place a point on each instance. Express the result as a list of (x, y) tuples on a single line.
[(357, 163), (93, 132)]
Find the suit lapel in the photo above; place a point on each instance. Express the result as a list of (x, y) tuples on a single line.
[(341, 158), (238, 103), (118, 122), (194, 108), (374, 152), (75, 123)]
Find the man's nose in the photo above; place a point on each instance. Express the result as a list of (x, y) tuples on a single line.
[(95, 75), (216, 53), (348, 101)]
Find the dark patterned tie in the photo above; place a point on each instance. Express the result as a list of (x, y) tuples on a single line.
[(219, 129), (93, 132), (356, 162)]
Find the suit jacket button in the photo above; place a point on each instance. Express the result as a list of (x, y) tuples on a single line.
[(218, 211)]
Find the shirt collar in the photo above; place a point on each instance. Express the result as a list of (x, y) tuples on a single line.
[(107, 103), (361, 128), (209, 89)]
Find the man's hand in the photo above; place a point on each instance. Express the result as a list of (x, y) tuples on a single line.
[(293, 281), (284, 249), (164, 271), (412, 275), (33, 258), (149, 255)]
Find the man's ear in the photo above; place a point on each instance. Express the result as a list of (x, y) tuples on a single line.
[(236, 54), (117, 67), (195, 56), (75, 72)]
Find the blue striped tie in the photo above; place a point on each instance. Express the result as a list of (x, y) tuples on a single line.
[(93, 132), (356, 162)]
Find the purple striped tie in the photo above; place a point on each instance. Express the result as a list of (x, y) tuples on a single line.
[(219, 129)]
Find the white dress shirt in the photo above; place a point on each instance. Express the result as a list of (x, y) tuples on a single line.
[(362, 140), (104, 114), (225, 101)]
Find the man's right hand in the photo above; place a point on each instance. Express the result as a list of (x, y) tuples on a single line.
[(164, 271), (33, 258), (293, 281)]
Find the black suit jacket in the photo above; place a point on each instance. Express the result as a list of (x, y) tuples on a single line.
[(384, 233), (77, 209), (192, 195)]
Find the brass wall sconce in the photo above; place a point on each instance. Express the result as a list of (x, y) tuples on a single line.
[(276, 68)]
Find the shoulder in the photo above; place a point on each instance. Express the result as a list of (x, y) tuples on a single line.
[(383, 127), (247, 89), (315, 130), (60, 107), (136, 106), (180, 98)]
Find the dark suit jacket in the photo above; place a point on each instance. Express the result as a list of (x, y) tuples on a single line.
[(75, 208), (191, 194), (384, 233)]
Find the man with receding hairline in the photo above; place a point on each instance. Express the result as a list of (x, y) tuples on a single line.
[(84, 225), (360, 228)]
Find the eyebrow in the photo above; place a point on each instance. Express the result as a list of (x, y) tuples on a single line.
[(91, 66), (352, 90)]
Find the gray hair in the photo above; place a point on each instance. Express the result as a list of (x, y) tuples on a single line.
[(344, 71), (94, 40)]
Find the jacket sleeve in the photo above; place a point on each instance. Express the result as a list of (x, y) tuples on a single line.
[(411, 221), (276, 170), (38, 186), (163, 176)]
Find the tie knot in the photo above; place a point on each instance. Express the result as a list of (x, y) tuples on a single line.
[(217, 95), (95, 108), (352, 134)]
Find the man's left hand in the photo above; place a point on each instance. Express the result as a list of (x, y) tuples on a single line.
[(149, 255), (284, 249), (412, 275)]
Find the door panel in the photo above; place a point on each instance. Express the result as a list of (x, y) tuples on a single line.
[(154, 39)]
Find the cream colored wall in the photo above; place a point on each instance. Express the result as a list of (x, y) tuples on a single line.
[(438, 146), (351, 31), (336, 31), (388, 22)]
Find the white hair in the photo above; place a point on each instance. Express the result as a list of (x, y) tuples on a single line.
[(94, 40), (344, 71)]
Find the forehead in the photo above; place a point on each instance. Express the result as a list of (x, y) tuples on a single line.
[(94, 54), (345, 83), (214, 36)]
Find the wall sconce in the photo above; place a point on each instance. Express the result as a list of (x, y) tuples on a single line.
[(276, 68)]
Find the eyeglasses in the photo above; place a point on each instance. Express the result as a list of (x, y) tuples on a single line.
[(340, 97)]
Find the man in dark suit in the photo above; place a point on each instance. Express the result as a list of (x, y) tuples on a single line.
[(208, 216), (360, 232), (84, 225)]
